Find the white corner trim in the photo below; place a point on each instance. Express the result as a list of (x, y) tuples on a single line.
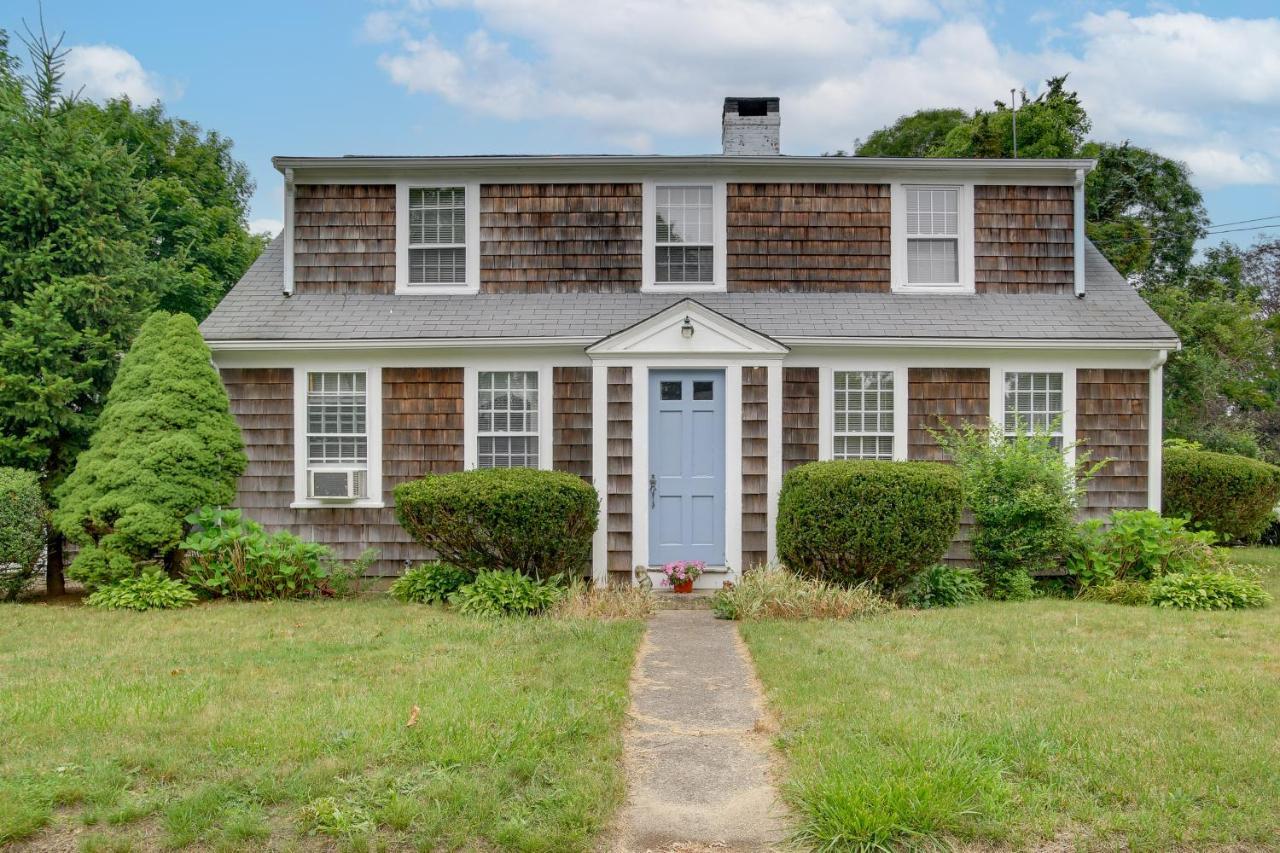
[(373, 426), (600, 470), (826, 412), (1155, 424), (1077, 221), (775, 458), (470, 417), (733, 472), (472, 214), (289, 191), (649, 235), (898, 239), (640, 464)]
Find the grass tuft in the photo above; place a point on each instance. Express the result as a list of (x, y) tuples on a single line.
[(583, 601), (775, 593)]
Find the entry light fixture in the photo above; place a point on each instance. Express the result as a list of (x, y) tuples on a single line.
[(686, 328)]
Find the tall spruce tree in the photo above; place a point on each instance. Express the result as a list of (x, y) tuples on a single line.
[(166, 445), (75, 277)]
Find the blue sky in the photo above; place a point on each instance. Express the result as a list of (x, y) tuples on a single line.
[(1200, 81)]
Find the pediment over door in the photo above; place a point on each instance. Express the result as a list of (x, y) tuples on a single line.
[(666, 333)]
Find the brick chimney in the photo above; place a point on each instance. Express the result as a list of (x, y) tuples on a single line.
[(750, 126)]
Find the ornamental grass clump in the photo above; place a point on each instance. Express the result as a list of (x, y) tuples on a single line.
[(583, 600), (775, 593), (166, 445)]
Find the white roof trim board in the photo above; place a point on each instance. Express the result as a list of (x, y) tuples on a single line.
[(255, 314)]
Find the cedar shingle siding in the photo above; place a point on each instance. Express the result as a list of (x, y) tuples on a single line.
[(344, 238), (1112, 411), (618, 530), (794, 238), (799, 416), (1024, 240), (571, 414), (952, 395), (755, 467), (560, 238), (422, 434)]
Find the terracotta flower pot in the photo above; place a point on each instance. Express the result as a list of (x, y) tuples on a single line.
[(684, 586)]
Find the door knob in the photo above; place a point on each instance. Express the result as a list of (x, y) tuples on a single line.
[(653, 491)]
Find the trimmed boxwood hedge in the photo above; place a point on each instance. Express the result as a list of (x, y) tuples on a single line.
[(1234, 496), (538, 523), (864, 521)]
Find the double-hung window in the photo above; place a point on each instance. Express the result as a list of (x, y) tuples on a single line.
[(933, 235), (337, 436), (507, 419), (1033, 402), (684, 236), (437, 236), (862, 404)]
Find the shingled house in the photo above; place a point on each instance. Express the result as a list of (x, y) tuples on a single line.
[(680, 331)]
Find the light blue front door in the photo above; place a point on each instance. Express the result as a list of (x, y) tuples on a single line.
[(686, 466)]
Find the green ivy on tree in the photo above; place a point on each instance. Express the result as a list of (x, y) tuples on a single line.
[(166, 445)]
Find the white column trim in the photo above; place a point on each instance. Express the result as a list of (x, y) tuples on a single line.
[(826, 412), (901, 416), (600, 470), (774, 457), (640, 465), (546, 423), (733, 472), (1155, 425), (470, 417)]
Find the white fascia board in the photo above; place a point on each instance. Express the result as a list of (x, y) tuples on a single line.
[(982, 343), (395, 343)]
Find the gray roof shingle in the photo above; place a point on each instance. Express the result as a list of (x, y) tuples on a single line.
[(256, 310)]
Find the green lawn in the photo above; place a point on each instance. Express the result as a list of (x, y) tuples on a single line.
[(1095, 726), (283, 725)]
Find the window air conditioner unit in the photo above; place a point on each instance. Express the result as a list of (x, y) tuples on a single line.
[(337, 484)]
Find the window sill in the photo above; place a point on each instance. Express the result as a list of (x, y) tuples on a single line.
[(436, 290), (683, 288), (948, 289), (356, 504)]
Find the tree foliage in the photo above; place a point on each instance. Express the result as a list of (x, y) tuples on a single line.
[(165, 446), (914, 135)]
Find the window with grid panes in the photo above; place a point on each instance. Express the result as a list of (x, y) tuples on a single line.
[(1033, 402), (437, 235), (684, 238), (337, 427), (933, 235), (862, 404), (507, 423)]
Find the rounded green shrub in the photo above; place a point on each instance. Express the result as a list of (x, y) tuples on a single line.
[(429, 583), (98, 567), (165, 445), (505, 593), (1234, 496), (22, 519), (861, 521), (538, 523)]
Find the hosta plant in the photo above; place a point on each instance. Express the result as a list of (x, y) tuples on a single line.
[(147, 591)]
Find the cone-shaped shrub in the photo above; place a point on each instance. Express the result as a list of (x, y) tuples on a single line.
[(166, 445)]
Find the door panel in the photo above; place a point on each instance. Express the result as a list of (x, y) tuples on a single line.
[(687, 456)]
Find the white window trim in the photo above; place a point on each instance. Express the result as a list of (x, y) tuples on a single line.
[(471, 411), (649, 235), (893, 435), (898, 234), (373, 424), (1068, 400), (472, 212), (827, 412)]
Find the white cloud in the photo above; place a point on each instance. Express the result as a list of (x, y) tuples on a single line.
[(635, 71), (266, 225), (103, 71)]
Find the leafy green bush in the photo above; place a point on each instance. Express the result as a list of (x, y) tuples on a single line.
[(429, 583), (1135, 593), (1139, 545), (166, 444), (233, 556), (539, 523), (153, 590), (1233, 496), (22, 519), (944, 586), (1023, 495), (852, 522), (505, 593), (1207, 591), (775, 593)]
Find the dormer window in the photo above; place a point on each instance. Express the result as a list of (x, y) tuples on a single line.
[(437, 238), (684, 237), (932, 230)]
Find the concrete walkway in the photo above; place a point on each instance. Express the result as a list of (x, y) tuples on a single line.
[(697, 744)]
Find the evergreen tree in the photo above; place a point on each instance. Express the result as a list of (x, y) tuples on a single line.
[(166, 445)]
